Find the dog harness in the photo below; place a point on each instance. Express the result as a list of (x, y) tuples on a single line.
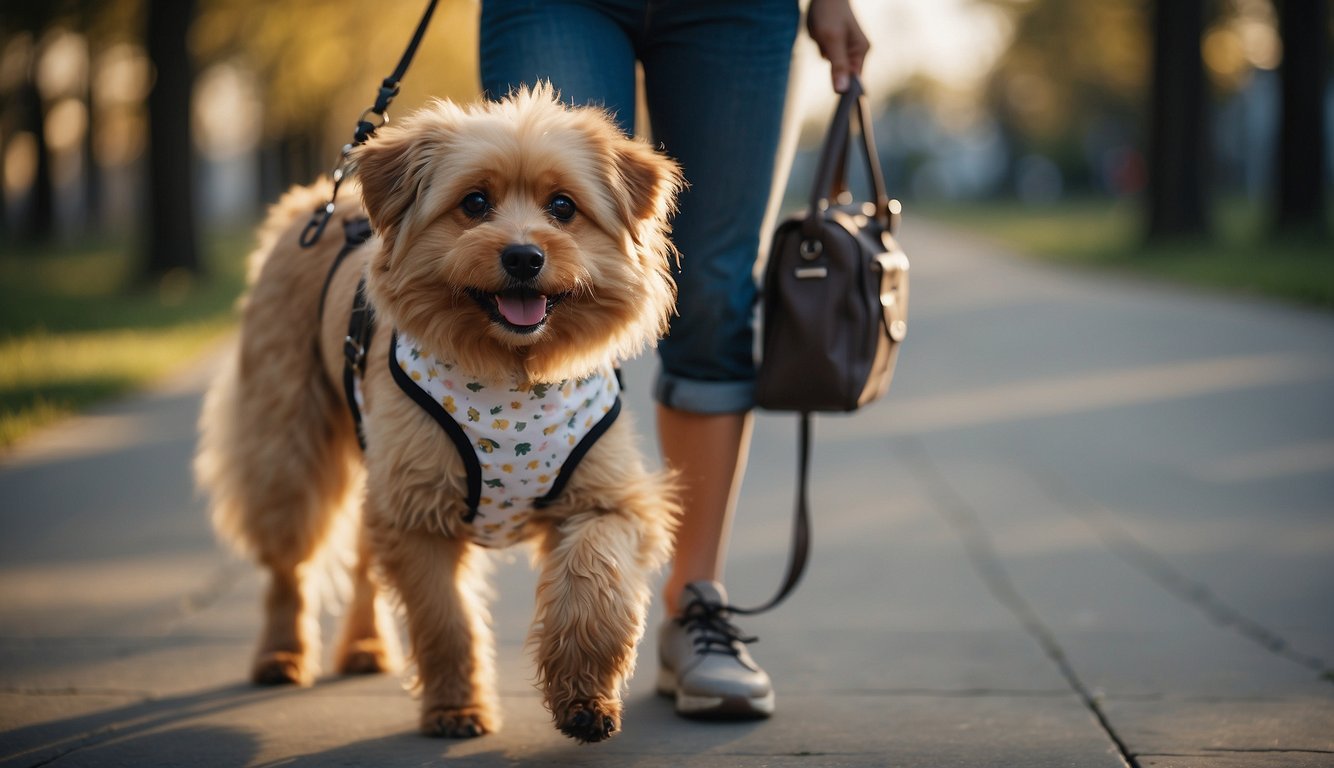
[(519, 442)]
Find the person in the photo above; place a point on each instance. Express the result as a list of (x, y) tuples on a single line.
[(715, 75)]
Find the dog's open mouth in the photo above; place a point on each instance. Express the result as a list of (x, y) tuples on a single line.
[(521, 310)]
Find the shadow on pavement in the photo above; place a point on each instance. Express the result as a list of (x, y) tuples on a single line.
[(137, 728)]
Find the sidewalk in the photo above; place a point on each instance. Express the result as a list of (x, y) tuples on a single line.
[(1092, 524)]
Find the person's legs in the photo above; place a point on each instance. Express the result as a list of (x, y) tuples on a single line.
[(716, 80), (584, 49), (709, 453)]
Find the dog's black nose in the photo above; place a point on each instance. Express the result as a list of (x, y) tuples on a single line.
[(522, 262)]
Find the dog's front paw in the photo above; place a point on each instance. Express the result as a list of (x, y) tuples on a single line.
[(587, 721), (282, 668), (456, 722)]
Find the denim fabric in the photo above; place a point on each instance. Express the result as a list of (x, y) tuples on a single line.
[(715, 79)]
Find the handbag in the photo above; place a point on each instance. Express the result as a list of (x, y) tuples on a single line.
[(835, 291), (835, 305)]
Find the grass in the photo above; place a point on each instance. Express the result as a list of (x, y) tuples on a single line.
[(76, 327), (1240, 257)]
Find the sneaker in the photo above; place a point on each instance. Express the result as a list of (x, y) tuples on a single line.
[(703, 660)]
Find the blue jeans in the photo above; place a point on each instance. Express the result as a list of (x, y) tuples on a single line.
[(715, 79)]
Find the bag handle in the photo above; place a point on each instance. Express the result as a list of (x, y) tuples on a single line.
[(831, 178)]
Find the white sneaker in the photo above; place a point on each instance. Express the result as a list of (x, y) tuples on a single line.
[(703, 660)]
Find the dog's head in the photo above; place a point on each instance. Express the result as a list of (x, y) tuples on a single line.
[(520, 237)]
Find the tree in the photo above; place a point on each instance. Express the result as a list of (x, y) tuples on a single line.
[(1304, 29), (1178, 123), (171, 231), (41, 218)]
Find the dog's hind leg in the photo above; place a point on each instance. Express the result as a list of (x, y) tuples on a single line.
[(592, 604), (369, 643), (442, 585), (280, 466)]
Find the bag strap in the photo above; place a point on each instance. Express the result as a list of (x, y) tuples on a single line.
[(801, 527), (831, 175), (365, 129)]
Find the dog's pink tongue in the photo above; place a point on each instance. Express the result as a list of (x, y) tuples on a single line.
[(522, 309)]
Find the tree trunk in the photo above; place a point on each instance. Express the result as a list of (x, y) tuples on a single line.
[(172, 242), (92, 172), (41, 214), (1304, 27), (1178, 125)]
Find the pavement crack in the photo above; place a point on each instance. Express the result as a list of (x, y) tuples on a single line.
[(1143, 558), (981, 554), (200, 599)]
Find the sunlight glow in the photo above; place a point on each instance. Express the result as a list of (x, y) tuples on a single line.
[(952, 42)]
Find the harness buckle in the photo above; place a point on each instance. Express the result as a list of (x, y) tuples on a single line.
[(355, 352)]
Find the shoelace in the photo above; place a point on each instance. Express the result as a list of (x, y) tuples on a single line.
[(710, 630)]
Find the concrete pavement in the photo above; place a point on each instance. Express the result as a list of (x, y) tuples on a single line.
[(1092, 525)]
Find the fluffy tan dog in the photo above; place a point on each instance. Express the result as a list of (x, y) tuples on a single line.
[(520, 248)]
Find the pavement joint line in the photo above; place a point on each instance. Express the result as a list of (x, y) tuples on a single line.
[(981, 553), (1143, 558)]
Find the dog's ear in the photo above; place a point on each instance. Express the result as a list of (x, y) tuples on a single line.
[(389, 167), (649, 183)]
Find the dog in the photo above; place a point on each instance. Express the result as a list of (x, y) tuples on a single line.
[(520, 248)]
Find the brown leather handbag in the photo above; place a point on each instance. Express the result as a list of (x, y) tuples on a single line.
[(835, 292), (835, 311)]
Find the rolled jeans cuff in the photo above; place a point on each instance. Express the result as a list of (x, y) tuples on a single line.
[(706, 397)]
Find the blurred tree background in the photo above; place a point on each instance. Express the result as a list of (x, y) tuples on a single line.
[(1169, 102), (141, 139), (140, 117)]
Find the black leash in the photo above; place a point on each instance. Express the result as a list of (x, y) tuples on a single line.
[(801, 527), (366, 129)]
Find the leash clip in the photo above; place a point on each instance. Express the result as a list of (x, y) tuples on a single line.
[(318, 221)]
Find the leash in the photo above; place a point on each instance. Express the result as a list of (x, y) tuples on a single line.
[(365, 129), (801, 527)]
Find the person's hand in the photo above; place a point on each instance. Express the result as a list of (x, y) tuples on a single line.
[(834, 28)]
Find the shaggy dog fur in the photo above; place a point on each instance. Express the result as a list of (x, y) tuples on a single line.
[(278, 451)]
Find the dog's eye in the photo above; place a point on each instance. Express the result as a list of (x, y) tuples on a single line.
[(561, 208), (475, 204)]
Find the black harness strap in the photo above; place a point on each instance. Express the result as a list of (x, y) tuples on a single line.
[(472, 467), (355, 232), (577, 455), (361, 325), (360, 331)]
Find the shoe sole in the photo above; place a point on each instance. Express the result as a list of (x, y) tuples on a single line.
[(714, 707)]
